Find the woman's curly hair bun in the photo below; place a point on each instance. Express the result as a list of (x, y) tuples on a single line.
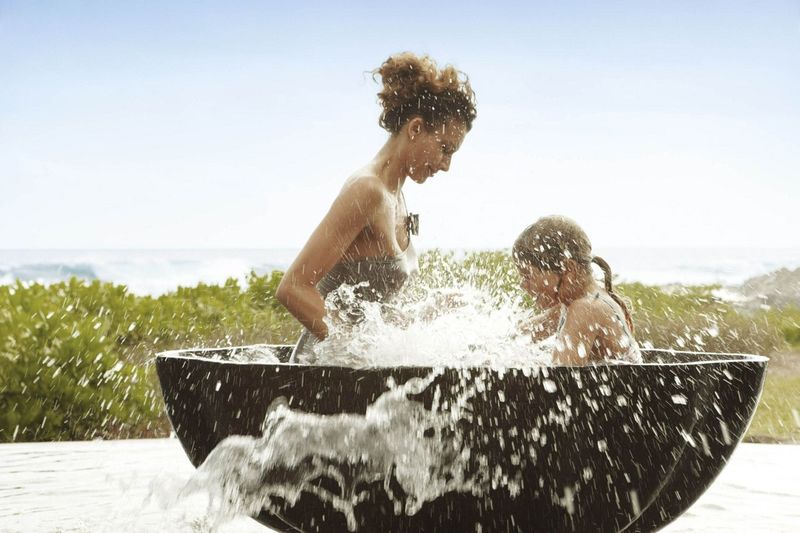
[(414, 86)]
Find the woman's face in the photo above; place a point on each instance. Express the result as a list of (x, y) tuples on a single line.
[(431, 151), (542, 285)]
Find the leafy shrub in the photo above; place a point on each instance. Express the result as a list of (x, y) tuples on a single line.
[(788, 321), (692, 318), (75, 356), (61, 372)]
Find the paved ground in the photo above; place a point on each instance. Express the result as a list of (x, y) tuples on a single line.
[(102, 486)]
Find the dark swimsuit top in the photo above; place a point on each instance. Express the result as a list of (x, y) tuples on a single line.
[(375, 279)]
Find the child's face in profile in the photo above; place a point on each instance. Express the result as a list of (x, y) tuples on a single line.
[(542, 285)]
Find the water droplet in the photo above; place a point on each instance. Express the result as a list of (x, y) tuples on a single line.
[(679, 399)]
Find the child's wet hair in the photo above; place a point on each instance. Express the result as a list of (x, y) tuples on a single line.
[(549, 242)]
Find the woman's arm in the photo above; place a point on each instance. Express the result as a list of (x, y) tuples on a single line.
[(351, 212)]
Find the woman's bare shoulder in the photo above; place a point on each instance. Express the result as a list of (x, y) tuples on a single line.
[(365, 187)]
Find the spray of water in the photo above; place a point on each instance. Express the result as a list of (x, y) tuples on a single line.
[(464, 327), (413, 453), (396, 440)]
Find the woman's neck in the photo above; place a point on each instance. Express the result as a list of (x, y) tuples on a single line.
[(389, 164)]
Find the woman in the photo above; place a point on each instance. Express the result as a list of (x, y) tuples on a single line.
[(364, 239)]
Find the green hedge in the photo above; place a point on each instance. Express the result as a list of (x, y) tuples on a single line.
[(75, 356)]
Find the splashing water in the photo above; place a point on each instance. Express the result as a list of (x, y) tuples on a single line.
[(396, 439), (464, 327), (413, 454)]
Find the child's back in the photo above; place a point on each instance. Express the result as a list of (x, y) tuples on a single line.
[(590, 324), (594, 329)]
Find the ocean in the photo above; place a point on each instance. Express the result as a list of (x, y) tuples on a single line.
[(156, 272)]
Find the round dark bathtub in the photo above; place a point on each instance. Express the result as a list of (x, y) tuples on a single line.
[(602, 448)]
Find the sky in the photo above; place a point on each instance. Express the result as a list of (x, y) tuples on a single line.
[(186, 125)]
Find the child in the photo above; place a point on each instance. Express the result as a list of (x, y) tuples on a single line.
[(591, 325)]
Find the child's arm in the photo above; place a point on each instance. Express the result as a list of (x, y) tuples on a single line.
[(577, 335), (443, 301), (542, 325)]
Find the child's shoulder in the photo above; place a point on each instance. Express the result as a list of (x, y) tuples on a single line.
[(595, 305)]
